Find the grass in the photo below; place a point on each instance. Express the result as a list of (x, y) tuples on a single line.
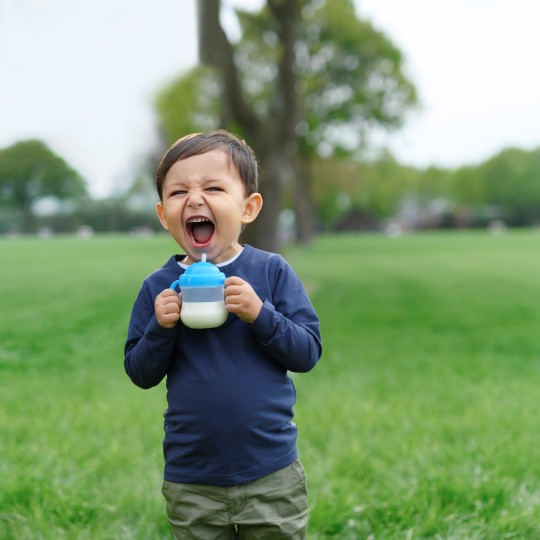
[(419, 422)]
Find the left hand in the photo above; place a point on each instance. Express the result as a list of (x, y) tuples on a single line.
[(241, 299)]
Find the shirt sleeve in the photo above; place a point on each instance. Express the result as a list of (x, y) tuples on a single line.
[(288, 326), (149, 347)]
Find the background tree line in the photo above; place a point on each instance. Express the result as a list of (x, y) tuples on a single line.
[(307, 84), (347, 194)]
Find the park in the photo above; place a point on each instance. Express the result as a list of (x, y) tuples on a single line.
[(419, 421)]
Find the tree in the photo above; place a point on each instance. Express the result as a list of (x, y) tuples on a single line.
[(306, 79), (30, 171), (511, 182)]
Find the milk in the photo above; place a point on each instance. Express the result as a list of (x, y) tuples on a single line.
[(203, 314)]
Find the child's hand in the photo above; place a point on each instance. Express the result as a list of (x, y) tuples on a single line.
[(167, 306), (241, 299)]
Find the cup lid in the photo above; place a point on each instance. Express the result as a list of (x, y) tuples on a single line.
[(202, 274)]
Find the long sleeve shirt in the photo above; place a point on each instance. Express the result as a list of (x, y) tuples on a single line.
[(230, 399)]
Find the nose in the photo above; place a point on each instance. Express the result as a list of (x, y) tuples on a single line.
[(195, 200)]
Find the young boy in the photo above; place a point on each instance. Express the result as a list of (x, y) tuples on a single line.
[(231, 467)]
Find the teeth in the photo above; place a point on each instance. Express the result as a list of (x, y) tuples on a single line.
[(197, 220)]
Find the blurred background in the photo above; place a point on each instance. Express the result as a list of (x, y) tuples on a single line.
[(365, 114)]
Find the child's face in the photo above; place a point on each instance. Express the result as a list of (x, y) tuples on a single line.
[(204, 206)]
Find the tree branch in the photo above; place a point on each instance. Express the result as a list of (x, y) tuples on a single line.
[(286, 13), (216, 51)]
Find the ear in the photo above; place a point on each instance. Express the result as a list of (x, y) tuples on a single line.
[(161, 215), (252, 208)]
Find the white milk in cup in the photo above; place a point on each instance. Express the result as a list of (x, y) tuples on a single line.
[(203, 295)]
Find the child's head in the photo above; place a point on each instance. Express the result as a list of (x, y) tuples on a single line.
[(207, 184), (241, 156)]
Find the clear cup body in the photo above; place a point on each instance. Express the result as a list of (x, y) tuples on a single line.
[(203, 307), (213, 293)]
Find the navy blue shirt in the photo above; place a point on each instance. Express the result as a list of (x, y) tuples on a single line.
[(230, 400)]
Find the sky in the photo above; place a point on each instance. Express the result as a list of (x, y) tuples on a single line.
[(82, 76)]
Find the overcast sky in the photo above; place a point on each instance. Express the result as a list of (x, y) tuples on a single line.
[(82, 75)]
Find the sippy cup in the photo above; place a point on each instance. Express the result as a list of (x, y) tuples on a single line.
[(203, 295)]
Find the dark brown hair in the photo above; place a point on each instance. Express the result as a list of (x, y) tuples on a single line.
[(240, 155)]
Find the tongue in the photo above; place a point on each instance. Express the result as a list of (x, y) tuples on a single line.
[(202, 232)]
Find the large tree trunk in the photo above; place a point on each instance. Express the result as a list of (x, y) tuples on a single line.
[(28, 218), (274, 141), (264, 231), (297, 169)]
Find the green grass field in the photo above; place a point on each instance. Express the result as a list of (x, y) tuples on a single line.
[(420, 421)]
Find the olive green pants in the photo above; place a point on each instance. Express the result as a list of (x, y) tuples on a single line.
[(274, 507)]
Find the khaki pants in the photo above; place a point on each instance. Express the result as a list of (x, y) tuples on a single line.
[(271, 508)]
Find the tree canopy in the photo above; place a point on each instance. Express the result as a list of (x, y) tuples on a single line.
[(305, 79), (30, 171)]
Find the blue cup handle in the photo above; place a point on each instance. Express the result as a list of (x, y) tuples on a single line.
[(174, 284)]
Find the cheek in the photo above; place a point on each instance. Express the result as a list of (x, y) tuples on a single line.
[(169, 215)]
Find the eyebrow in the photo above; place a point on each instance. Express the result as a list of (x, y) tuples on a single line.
[(173, 184)]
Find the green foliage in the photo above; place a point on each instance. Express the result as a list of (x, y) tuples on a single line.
[(468, 186), (512, 182), (30, 171), (189, 104), (508, 184), (351, 76), (375, 187), (350, 79), (305, 79), (419, 421)]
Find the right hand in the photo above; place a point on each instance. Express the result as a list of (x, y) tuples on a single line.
[(167, 305)]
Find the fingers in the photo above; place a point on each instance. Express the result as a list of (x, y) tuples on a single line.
[(236, 289), (241, 299), (234, 280), (168, 293), (167, 306)]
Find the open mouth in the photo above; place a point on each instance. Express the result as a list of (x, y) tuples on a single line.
[(200, 230)]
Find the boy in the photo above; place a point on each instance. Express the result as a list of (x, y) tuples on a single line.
[(231, 468)]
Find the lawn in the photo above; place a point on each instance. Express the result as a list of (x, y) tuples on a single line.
[(420, 421)]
